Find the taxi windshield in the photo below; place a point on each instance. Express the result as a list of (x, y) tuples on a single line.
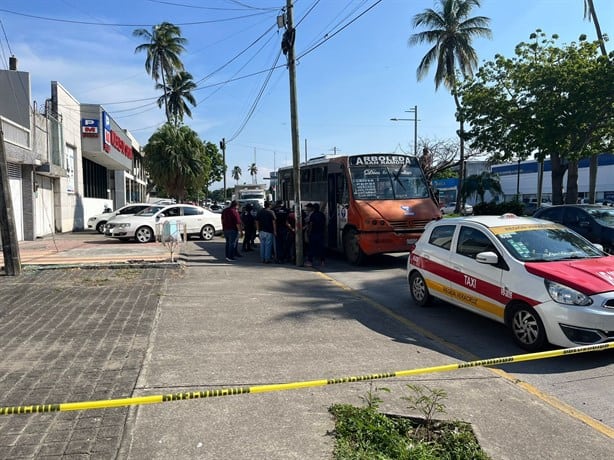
[(547, 244)]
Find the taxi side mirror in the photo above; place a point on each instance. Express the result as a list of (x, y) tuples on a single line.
[(487, 257)]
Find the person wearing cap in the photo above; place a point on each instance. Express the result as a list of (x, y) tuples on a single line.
[(266, 228)]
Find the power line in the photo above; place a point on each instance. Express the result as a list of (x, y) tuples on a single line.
[(106, 24), (255, 103), (213, 7)]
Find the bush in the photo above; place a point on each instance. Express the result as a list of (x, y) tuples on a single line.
[(497, 209)]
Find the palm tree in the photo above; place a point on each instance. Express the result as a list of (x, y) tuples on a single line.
[(236, 173), (163, 46), (479, 184), (591, 14), (451, 30), (175, 159), (253, 171), (179, 93)]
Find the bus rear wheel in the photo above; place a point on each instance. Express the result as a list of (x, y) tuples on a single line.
[(351, 248)]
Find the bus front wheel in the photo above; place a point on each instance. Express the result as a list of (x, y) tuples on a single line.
[(352, 250)]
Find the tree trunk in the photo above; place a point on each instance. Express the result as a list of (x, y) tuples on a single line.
[(592, 182), (559, 166), (572, 183), (461, 163)]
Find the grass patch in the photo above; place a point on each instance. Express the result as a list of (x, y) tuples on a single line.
[(363, 433)]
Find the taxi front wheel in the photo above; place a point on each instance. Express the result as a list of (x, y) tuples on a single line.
[(418, 289), (526, 327)]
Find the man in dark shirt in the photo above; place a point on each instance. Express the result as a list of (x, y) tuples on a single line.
[(281, 221), (317, 229), (266, 228)]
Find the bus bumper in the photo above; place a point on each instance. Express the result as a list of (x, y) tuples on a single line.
[(380, 242)]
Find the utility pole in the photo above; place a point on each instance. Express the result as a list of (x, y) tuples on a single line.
[(8, 231), (287, 46), (223, 147)]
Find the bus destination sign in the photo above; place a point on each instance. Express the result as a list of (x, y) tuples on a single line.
[(380, 160)]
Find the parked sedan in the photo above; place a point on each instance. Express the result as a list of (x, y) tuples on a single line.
[(450, 208), (146, 225), (542, 280), (99, 220), (593, 222)]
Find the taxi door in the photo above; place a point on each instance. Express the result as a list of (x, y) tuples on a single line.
[(474, 285)]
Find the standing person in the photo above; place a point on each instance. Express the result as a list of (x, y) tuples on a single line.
[(249, 227), (266, 228), (231, 225), (281, 219), (317, 230)]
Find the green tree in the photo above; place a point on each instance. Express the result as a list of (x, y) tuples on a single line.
[(163, 46), (177, 95), (591, 14), (479, 184), (176, 160), (213, 172), (549, 101), (236, 173), (253, 171), (451, 31)]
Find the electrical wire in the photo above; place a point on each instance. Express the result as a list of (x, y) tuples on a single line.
[(212, 7), (88, 23), (255, 103)]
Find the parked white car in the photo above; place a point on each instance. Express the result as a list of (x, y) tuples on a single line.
[(98, 221), (146, 225), (451, 207)]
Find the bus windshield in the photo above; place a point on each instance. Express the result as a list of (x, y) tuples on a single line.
[(388, 182)]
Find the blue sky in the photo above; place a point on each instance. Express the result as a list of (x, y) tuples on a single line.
[(348, 87)]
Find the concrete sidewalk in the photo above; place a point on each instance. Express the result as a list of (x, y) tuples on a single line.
[(244, 324), (73, 334)]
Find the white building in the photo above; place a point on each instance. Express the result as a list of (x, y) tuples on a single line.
[(522, 178), (66, 160)]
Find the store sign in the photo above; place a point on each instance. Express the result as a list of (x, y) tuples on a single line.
[(112, 139), (89, 127)]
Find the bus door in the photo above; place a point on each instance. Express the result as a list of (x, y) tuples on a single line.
[(337, 208)]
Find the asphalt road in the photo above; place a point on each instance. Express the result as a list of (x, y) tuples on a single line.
[(583, 382)]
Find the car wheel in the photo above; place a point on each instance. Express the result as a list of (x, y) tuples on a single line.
[(351, 248), (100, 226), (144, 234), (207, 232), (526, 327), (418, 289)]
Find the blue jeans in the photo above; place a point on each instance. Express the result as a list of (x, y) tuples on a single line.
[(231, 237), (266, 246)]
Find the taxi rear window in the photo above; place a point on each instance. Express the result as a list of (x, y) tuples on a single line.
[(441, 236)]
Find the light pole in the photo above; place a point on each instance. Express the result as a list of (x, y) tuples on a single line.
[(414, 110)]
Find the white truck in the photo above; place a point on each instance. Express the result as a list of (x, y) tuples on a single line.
[(254, 194)]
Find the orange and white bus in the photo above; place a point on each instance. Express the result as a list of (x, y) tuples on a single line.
[(374, 203)]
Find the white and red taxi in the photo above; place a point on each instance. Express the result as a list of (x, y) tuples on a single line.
[(542, 280)]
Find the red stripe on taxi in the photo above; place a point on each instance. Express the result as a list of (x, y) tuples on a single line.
[(492, 291)]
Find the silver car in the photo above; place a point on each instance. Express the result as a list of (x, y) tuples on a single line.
[(146, 225)]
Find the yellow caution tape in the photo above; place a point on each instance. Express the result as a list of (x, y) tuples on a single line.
[(154, 399)]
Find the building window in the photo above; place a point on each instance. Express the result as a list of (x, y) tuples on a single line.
[(95, 184)]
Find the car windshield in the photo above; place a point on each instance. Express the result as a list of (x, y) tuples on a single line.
[(604, 216), (545, 244), (150, 211)]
